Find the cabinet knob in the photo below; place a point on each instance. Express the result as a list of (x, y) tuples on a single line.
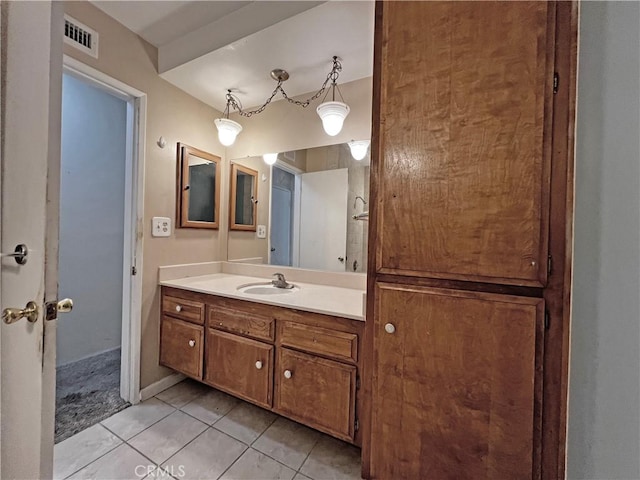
[(178, 308), (287, 374), (192, 343), (259, 365), (390, 328)]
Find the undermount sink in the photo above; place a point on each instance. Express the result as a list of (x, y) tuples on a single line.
[(266, 288)]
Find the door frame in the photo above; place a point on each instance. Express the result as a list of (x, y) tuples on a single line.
[(133, 218)]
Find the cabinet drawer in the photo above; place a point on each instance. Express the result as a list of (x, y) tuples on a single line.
[(315, 391), (188, 310), (181, 346), (241, 321), (240, 366), (332, 343)]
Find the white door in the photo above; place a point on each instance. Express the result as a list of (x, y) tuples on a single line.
[(281, 223), (31, 96), (323, 220)]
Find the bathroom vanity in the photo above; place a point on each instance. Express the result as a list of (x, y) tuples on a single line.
[(303, 363)]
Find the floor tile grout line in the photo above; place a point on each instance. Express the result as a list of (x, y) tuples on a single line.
[(309, 454), (98, 458), (144, 429), (208, 424), (186, 444), (126, 442)]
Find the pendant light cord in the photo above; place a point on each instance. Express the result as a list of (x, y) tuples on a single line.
[(332, 76)]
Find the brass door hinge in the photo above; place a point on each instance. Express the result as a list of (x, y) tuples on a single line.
[(556, 82)]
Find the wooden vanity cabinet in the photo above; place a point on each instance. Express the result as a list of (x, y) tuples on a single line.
[(240, 366), (316, 391), (302, 365), (182, 333)]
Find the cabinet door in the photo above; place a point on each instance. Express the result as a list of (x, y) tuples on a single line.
[(181, 346), (240, 366), (457, 379), (462, 174), (317, 392)]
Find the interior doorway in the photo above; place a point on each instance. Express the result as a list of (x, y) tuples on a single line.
[(97, 344), (282, 217)]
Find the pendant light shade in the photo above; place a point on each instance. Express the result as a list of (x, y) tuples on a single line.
[(333, 115), (228, 130), (358, 148), (270, 158)]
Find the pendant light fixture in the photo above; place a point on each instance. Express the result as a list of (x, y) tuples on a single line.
[(358, 148), (228, 130), (331, 113), (270, 158)]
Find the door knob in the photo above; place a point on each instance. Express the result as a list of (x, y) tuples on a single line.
[(65, 305), (287, 374), (192, 343), (341, 259), (389, 328), (12, 315), (259, 365)]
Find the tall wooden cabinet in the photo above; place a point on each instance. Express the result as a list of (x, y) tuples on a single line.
[(470, 237)]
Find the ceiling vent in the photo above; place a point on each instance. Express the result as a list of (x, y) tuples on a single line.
[(80, 36)]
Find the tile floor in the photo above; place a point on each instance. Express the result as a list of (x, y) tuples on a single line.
[(191, 431)]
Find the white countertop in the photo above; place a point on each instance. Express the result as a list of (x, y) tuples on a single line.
[(324, 299)]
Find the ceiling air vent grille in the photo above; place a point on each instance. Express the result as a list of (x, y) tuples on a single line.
[(80, 36)]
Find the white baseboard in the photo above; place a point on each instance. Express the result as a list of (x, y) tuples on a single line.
[(161, 385)]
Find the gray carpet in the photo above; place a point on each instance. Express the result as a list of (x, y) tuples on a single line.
[(87, 392)]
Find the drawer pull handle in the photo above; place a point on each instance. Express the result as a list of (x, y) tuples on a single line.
[(288, 374), (259, 365), (192, 343), (390, 328), (178, 308)]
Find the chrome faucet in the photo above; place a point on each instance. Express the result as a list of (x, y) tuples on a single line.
[(280, 282)]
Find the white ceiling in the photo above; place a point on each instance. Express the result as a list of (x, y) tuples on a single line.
[(252, 39), (161, 22)]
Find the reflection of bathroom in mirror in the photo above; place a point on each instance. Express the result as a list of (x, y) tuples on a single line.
[(314, 205), (244, 186), (198, 188)]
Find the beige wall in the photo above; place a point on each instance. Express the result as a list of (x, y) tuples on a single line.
[(247, 244), (179, 118), (283, 127)]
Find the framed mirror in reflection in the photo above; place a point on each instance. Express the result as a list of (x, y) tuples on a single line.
[(198, 181), (244, 198), (314, 214)]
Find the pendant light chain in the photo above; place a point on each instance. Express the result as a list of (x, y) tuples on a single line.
[(332, 76)]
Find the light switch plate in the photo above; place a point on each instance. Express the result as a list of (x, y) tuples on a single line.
[(160, 226), (261, 231)]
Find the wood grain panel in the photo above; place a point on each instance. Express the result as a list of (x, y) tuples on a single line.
[(254, 325), (176, 352), (320, 393), (183, 308), (457, 387), (464, 161), (231, 366), (332, 343)]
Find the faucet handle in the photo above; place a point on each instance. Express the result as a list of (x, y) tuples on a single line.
[(279, 276)]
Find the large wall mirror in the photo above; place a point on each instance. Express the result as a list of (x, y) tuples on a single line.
[(198, 181), (312, 213)]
